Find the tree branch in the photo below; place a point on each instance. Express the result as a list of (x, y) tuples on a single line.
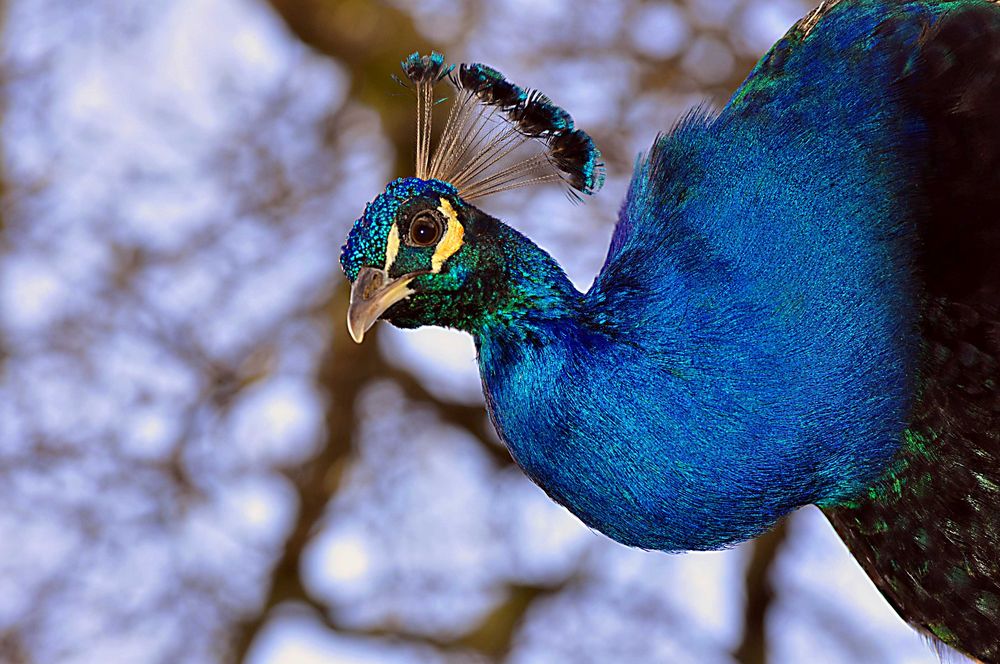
[(344, 370), (369, 38), (759, 595), (492, 637), (471, 419)]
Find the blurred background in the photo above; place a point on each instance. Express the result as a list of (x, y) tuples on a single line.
[(196, 462)]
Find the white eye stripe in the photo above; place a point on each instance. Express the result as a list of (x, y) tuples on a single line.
[(391, 247), (452, 240)]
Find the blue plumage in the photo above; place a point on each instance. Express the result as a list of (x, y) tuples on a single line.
[(772, 326), (749, 345)]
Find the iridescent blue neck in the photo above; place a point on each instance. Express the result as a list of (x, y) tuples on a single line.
[(531, 294)]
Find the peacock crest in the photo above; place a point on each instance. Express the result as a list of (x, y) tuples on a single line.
[(497, 135)]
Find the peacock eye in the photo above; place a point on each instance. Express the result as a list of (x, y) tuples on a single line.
[(426, 229)]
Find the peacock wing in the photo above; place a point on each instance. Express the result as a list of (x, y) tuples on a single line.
[(929, 534)]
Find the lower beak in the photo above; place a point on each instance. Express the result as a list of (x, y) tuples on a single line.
[(373, 293)]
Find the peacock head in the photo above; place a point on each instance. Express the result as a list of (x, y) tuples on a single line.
[(422, 253), (409, 257)]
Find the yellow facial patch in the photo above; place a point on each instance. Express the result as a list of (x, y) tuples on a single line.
[(452, 240), (391, 247)]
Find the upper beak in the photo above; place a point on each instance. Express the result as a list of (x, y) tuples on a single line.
[(371, 294)]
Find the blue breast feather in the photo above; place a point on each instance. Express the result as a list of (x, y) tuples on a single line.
[(749, 345)]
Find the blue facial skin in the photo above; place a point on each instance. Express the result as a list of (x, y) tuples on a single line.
[(749, 346)]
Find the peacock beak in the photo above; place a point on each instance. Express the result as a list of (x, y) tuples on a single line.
[(372, 293)]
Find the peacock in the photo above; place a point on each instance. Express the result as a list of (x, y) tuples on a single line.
[(800, 303)]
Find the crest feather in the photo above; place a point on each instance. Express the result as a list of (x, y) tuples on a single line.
[(497, 136)]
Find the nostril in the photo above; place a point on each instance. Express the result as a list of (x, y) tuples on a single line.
[(374, 281)]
